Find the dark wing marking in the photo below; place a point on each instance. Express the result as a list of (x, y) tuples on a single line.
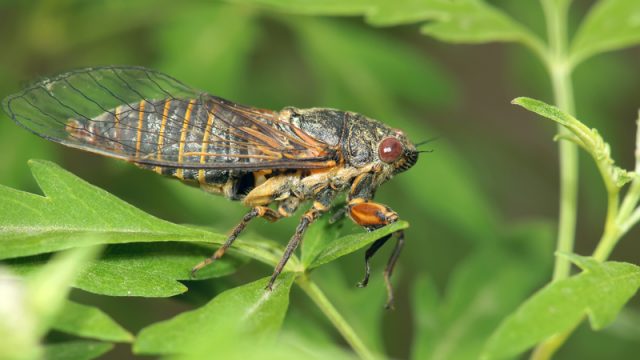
[(149, 118)]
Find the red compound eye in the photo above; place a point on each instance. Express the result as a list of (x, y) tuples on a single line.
[(390, 150)]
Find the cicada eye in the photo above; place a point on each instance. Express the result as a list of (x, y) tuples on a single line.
[(390, 150)]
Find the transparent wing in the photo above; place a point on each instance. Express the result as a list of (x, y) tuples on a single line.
[(147, 117)]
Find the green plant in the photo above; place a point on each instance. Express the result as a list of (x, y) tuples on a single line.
[(487, 308), (74, 213), (609, 25)]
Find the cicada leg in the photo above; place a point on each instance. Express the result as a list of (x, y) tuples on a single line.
[(257, 211), (371, 216), (388, 270), (368, 255), (320, 206)]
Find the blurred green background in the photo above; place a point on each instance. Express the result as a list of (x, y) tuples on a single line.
[(482, 205)]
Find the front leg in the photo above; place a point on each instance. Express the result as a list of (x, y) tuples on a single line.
[(371, 216), (322, 203)]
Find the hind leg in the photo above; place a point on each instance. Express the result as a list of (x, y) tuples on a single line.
[(257, 211)]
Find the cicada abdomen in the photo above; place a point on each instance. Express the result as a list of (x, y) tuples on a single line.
[(195, 140)]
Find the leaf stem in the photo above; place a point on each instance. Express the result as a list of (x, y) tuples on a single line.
[(347, 332)]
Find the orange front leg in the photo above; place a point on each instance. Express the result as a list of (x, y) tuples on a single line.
[(372, 216)]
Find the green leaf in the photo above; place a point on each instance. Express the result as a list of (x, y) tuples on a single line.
[(473, 21), (320, 234), (599, 292), (457, 21), (248, 310), (74, 213), (350, 243), (77, 350), (89, 321), (589, 139), (71, 208), (610, 25), (142, 269)]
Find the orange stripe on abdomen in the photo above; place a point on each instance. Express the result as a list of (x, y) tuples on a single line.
[(205, 142), (163, 124), (183, 138), (139, 128)]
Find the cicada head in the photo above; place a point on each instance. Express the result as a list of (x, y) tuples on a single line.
[(372, 142), (362, 141), (397, 151)]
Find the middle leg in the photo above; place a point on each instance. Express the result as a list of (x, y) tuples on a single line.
[(321, 205)]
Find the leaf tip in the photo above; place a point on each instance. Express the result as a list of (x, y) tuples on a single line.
[(37, 162), (518, 100)]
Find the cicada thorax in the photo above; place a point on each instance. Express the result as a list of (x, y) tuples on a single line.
[(187, 131)]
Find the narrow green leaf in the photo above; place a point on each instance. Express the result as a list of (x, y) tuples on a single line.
[(141, 269), (599, 292), (610, 25), (248, 310), (589, 139), (74, 213), (77, 350), (350, 243), (89, 321)]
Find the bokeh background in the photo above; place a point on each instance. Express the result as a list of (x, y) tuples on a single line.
[(482, 205)]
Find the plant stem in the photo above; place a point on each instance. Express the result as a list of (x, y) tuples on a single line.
[(620, 220), (560, 71), (556, 14), (551, 345), (319, 298)]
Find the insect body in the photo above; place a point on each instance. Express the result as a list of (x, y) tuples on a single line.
[(259, 157)]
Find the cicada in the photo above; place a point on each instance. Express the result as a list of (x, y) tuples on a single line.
[(271, 161)]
